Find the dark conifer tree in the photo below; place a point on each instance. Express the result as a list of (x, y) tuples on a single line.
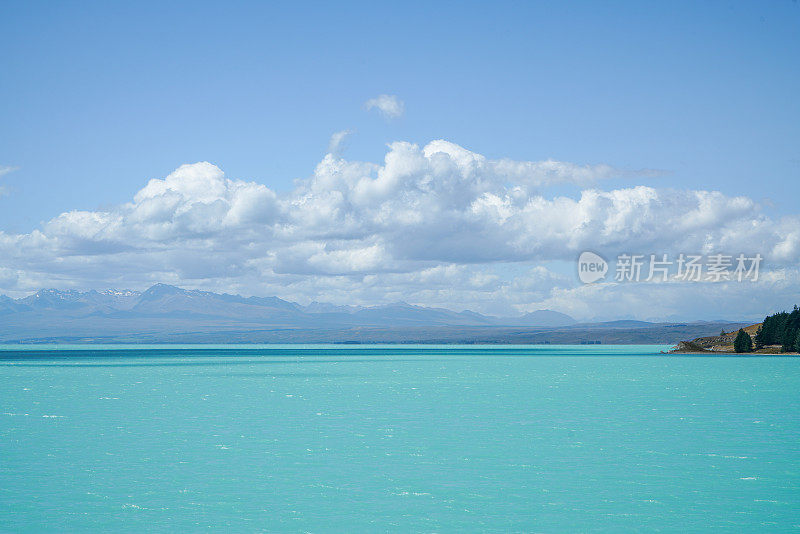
[(758, 342), (790, 329), (743, 342)]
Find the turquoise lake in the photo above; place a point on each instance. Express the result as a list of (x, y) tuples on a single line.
[(397, 439)]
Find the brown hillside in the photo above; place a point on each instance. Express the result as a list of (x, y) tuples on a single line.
[(715, 343)]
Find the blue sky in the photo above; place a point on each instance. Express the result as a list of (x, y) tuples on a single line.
[(97, 98)]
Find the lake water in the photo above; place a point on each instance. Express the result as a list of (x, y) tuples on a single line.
[(396, 438)]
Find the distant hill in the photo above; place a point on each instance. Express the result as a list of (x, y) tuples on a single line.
[(165, 313), (543, 318)]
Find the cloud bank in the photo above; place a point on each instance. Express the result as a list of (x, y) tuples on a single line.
[(434, 225)]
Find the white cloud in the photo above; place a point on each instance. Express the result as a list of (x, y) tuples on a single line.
[(5, 169), (337, 142), (437, 225), (684, 301), (389, 106)]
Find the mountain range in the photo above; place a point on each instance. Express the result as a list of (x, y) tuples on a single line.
[(165, 313)]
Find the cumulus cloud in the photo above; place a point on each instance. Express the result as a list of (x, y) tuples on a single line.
[(437, 225), (389, 106), (337, 142)]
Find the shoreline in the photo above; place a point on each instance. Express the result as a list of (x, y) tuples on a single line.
[(731, 353)]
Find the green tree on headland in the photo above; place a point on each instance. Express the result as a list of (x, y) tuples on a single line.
[(790, 330), (780, 329), (743, 342), (797, 342), (758, 342), (772, 329)]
